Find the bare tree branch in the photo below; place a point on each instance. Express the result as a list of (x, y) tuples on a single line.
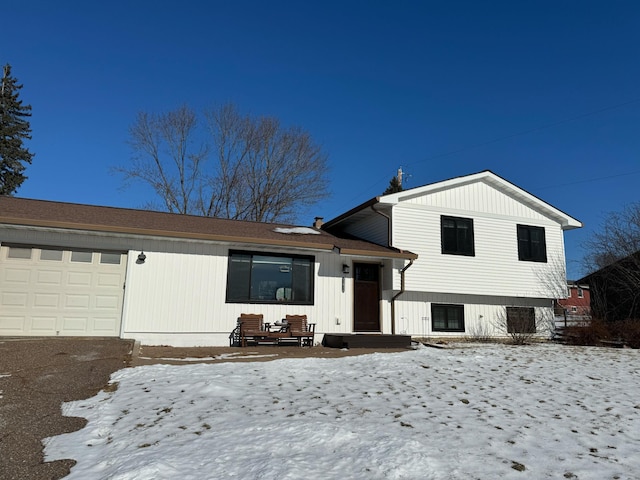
[(613, 257)]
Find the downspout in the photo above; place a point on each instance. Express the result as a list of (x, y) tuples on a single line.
[(393, 299), (402, 272)]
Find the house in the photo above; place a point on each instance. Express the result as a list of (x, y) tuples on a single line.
[(490, 256), (577, 304), (615, 289), (160, 278), (448, 259)]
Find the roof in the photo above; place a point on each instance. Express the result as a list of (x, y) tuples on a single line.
[(567, 222), (49, 214)]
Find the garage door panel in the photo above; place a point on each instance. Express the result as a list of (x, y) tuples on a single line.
[(48, 294), (105, 325), (77, 301), (13, 299), (46, 300), (12, 324), (16, 276), (49, 277), (109, 280), (44, 325), (77, 325), (107, 301), (79, 279)]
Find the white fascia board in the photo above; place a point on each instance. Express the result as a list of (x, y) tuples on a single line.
[(566, 221)]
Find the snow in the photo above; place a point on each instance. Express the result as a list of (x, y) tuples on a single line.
[(468, 412), (297, 230)]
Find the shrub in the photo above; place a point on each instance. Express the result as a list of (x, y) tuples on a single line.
[(590, 333), (596, 332)]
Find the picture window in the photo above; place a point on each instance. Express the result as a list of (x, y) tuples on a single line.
[(269, 278)]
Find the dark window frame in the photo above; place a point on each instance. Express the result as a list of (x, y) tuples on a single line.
[(447, 309), (530, 248), (518, 320), (241, 279), (450, 238)]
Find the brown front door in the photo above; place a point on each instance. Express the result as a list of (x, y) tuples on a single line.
[(366, 298)]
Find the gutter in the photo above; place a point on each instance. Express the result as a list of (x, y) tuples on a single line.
[(402, 272), (393, 299)]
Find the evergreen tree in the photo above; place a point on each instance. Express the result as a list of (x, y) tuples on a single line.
[(394, 186), (14, 129)]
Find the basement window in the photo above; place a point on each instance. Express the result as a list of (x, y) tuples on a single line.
[(521, 320), (447, 318)]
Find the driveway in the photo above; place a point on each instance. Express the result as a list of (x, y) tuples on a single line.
[(38, 374)]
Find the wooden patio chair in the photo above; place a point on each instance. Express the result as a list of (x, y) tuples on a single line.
[(251, 327), (299, 329)]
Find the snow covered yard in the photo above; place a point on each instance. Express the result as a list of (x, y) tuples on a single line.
[(470, 412)]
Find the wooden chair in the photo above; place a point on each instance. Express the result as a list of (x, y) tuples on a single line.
[(251, 327), (299, 329)]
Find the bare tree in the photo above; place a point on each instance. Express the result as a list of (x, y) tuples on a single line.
[(253, 168), (166, 158), (613, 257)]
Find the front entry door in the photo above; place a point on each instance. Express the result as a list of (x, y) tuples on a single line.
[(366, 298)]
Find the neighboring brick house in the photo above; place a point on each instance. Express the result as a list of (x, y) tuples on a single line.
[(578, 301)]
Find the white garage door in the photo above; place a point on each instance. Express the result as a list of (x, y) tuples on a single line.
[(47, 291)]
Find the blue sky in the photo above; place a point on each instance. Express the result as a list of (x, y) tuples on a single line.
[(545, 94)]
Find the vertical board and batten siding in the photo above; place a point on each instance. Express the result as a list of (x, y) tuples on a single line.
[(495, 268), (372, 227), (481, 314), (179, 299), (177, 296), (480, 197)]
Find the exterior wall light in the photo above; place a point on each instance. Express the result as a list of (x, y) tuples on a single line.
[(345, 269), (141, 258)]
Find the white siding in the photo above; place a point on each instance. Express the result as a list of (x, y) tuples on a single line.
[(478, 197), (481, 313), (372, 227), (495, 268), (179, 299)]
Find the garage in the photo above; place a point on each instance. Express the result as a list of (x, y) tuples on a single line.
[(48, 291)]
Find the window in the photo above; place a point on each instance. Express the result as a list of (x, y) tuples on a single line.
[(51, 255), (269, 278), (81, 256), (569, 292), (457, 235), (110, 258), (531, 244), (580, 293), (19, 252), (521, 320), (574, 309), (447, 318)]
